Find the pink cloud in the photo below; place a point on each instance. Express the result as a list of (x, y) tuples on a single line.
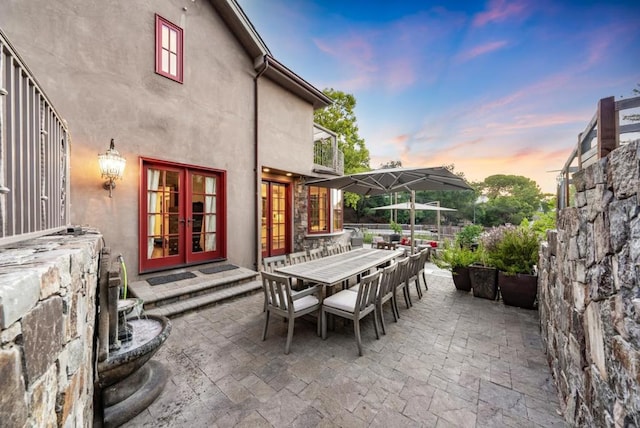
[(400, 139), (532, 121), (500, 10), (481, 50), (354, 50), (400, 74)]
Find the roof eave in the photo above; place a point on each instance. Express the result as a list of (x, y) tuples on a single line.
[(243, 29), (286, 78), (239, 24)]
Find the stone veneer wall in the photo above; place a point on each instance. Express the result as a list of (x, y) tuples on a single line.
[(47, 315), (301, 240), (590, 297)]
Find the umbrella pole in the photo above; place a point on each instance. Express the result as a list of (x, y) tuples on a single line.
[(438, 215), (412, 217)]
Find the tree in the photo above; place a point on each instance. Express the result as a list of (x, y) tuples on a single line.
[(634, 117), (391, 164), (340, 118), (511, 199)]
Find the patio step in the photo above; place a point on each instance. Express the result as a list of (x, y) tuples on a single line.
[(181, 296)]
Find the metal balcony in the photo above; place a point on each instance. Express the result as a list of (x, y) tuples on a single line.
[(327, 157)]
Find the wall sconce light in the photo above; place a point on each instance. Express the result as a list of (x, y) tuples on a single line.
[(111, 167)]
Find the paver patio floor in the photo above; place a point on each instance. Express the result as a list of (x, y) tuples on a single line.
[(452, 360)]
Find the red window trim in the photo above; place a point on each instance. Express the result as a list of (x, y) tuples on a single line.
[(160, 22), (327, 209)]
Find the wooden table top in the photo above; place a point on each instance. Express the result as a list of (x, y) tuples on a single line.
[(337, 268)]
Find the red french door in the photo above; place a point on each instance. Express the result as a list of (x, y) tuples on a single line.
[(275, 218), (182, 215)]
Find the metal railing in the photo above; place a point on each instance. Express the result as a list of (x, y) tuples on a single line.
[(34, 154), (600, 137), (327, 157)]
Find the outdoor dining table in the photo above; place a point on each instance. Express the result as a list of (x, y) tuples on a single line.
[(332, 270)]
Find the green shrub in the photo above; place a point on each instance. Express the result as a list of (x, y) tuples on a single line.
[(516, 251), (397, 228), (367, 237), (541, 223), (452, 255), (469, 235)]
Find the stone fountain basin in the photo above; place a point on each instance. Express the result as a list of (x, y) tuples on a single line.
[(149, 332)]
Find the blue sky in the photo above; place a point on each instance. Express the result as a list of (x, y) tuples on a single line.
[(494, 87)]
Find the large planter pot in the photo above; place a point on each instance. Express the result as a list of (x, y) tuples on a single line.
[(461, 278), (484, 281), (395, 237), (518, 290)]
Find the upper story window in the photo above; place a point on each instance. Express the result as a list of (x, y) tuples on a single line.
[(169, 52), (325, 210)]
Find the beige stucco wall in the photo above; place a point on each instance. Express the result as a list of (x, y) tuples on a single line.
[(95, 60), (285, 129)]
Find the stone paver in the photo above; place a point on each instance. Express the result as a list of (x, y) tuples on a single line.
[(452, 360)]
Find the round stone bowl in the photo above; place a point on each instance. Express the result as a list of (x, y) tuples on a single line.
[(149, 332)]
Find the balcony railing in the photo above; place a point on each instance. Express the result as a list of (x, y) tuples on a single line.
[(601, 136), (34, 154), (327, 158)]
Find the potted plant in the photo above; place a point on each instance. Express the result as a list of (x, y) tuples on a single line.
[(456, 258), (483, 273), (483, 277), (397, 231), (516, 256), (469, 236)]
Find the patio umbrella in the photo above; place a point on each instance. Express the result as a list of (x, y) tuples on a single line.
[(381, 181), (418, 207)]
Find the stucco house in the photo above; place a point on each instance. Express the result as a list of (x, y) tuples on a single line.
[(218, 135)]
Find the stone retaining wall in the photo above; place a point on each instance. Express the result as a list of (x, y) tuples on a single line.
[(47, 316), (589, 296)]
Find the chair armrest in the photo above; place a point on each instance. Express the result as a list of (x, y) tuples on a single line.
[(307, 291)]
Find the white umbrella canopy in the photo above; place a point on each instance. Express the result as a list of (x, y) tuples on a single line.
[(418, 207), (381, 181)]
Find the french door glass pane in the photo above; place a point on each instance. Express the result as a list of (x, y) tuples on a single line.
[(263, 234), (203, 211), (163, 188)]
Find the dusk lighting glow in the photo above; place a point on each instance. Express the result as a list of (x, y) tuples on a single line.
[(496, 87)]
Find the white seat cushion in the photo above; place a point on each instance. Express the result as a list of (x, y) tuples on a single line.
[(355, 288), (344, 300), (304, 303), (300, 304)]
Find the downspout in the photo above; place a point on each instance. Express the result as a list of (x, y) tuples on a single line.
[(256, 165)]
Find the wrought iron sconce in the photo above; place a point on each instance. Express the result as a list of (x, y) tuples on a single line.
[(111, 167)]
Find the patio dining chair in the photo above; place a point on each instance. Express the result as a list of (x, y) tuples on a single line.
[(332, 249), (283, 301), (274, 262), (315, 253), (400, 282), (269, 264), (414, 272), (426, 253), (345, 247), (298, 257), (386, 293), (354, 306)]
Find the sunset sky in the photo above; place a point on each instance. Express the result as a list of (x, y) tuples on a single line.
[(495, 87)]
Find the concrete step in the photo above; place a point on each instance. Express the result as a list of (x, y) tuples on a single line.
[(181, 296), (224, 295)]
